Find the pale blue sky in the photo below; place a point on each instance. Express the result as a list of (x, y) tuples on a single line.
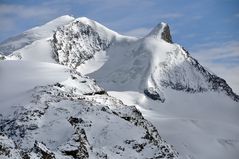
[(190, 21), (207, 28)]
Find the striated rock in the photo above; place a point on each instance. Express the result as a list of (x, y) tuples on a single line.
[(77, 42)]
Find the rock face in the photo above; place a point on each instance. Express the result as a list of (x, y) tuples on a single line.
[(77, 42), (161, 31), (166, 34)]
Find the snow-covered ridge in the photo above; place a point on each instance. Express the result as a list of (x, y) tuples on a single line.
[(180, 71), (73, 118), (17, 42)]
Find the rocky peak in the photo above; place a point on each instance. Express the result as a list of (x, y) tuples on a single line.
[(77, 42), (161, 31)]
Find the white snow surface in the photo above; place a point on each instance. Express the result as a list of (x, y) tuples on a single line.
[(40, 32), (203, 125), (51, 111), (39, 50), (199, 122), (18, 77)]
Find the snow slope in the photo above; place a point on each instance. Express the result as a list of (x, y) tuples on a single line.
[(192, 108), (15, 43), (201, 125), (51, 111), (18, 77)]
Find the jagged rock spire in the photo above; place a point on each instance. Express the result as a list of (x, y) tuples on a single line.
[(161, 31)]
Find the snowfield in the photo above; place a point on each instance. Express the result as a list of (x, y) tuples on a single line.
[(73, 88), (201, 125)]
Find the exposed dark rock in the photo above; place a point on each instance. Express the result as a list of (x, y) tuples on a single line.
[(32, 127), (139, 147), (73, 120), (59, 85), (43, 151), (2, 57), (4, 151), (165, 35), (98, 92), (73, 48), (153, 95), (73, 153)]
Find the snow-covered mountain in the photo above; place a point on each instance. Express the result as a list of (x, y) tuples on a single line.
[(28, 37), (56, 111), (151, 63), (72, 118)]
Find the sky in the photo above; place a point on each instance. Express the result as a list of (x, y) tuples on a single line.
[(208, 29)]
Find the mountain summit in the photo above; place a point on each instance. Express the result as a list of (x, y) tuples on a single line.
[(161, 31), (73, 88), (165, 64)]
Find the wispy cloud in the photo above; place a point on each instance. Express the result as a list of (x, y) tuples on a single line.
[(226, 53), (25, 11), (11, 14), (171, 15), (138, 32), (222, 59), (122, 16)]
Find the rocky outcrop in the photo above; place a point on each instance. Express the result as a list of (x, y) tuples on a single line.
[(153, 94), (77, 42), (166, 34), (2, 57), (161, 31)]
